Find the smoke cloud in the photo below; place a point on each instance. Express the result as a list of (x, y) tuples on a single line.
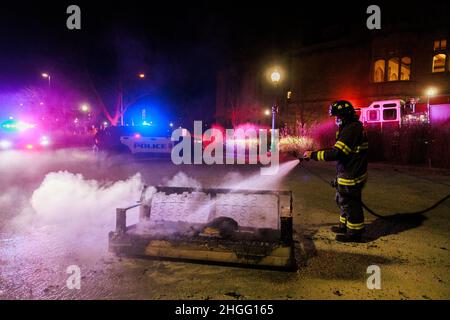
[(77, 210), (182, 180)]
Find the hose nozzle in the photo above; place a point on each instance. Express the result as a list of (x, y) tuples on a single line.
[(299, 157)]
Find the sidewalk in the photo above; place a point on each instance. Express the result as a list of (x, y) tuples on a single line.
[(410, 169)]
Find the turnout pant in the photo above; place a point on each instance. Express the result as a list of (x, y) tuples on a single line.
[(348, 199)]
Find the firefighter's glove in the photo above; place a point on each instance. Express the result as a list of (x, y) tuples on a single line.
[(307, 155)]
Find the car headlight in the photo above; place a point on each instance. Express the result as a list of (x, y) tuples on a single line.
[(44, 141), (5, 144)]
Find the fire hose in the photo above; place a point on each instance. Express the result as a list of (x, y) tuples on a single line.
[(372, 212)]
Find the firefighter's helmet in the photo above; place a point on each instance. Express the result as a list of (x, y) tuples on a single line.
[(341, 108)]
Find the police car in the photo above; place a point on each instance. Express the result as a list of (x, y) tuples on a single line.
[(137, 140)]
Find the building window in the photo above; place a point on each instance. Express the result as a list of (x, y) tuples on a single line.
[(405, 69), (397, 69), (378, 70), (440, 45), (439, 62), (393, 69), (289, 95)]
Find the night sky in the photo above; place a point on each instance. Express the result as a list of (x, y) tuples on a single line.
[(180, 45)]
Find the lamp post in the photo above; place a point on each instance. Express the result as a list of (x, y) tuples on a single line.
[(430, 92), (84, 108), (275, 77), (47, 76), (141, 76)]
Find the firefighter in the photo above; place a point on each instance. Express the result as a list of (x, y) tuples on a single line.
[(350, 152)]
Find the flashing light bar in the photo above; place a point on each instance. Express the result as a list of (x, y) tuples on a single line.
[(17, 125)]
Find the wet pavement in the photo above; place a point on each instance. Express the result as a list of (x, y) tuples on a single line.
[(36, 250)]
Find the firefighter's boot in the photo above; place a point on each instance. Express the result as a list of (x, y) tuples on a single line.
[(341, 228), (349, 237)]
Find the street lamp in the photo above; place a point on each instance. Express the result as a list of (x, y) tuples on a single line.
[(84, 108), (430, 92), (140, 75), (275, 77), (267, 112), (47, 76)]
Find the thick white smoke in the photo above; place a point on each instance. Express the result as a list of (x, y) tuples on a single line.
[(182, 180), (68, 199), (77, 211)]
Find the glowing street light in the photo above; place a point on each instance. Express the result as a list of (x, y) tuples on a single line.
[(275, 77), (140, 75), (84, 108), (267, 112), (47, 76), (430, 93)]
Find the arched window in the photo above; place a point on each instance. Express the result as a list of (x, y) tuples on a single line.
[(378, 70), (439, 62), (405, 69), (393, 69)]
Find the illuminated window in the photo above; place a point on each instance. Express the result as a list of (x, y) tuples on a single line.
[(439, 62), (393, 69), (405, 69), (289, 95), (378, 71), (440, 45)]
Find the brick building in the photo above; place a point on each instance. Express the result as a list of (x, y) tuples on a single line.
[(393, 63)]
